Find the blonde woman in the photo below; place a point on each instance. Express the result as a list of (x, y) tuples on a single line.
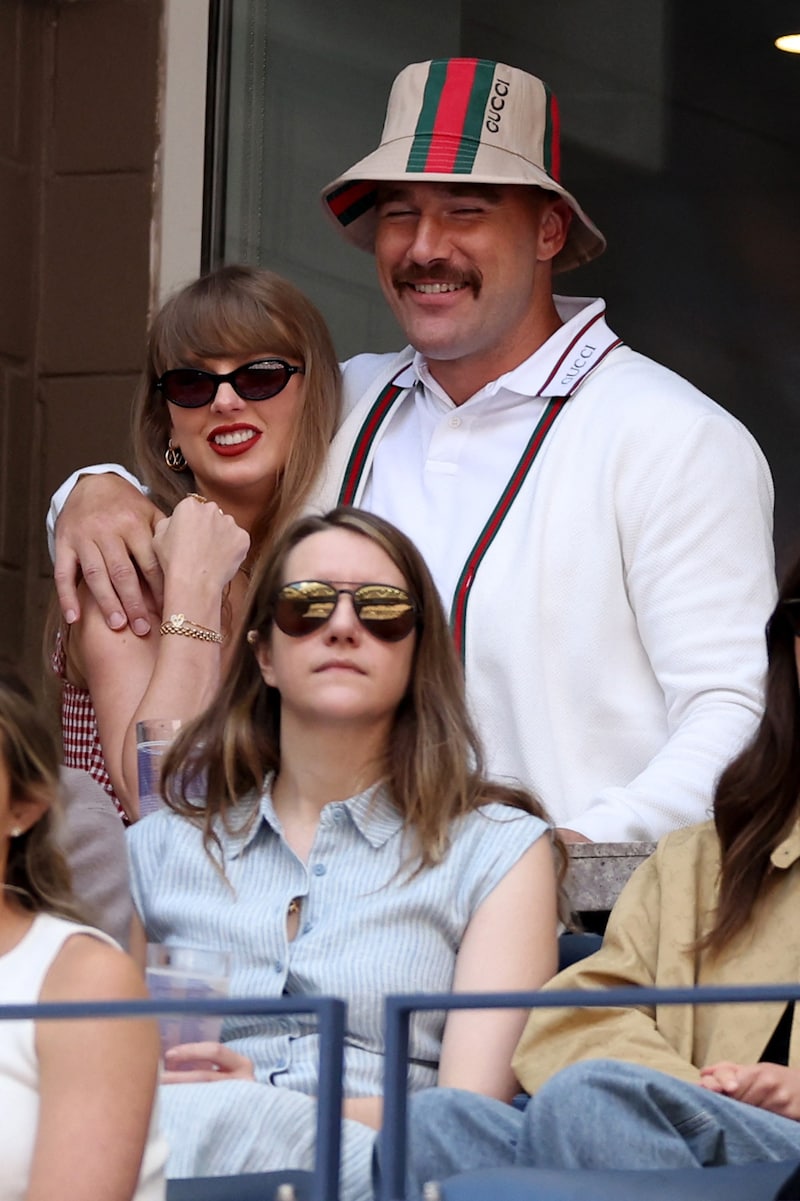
[(231, 422)]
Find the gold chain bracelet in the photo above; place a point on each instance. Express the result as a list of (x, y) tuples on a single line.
[(177, 623)]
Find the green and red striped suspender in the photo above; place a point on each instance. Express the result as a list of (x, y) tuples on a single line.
[(458, 609), (368, 433), (366, 436), (358, 461)]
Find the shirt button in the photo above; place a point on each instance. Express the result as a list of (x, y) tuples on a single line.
[(337, 815), (278, 966), (319, 869), (455, 422), (307, 927), (280, 1066)]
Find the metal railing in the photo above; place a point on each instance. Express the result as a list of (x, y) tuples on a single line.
[(330, 1013)]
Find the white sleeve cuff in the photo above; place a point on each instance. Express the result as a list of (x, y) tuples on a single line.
[(59, 497)]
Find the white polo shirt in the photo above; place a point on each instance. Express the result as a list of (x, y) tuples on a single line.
[(452, 461)]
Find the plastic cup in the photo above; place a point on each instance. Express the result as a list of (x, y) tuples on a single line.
[(187, 974), (152, 739)]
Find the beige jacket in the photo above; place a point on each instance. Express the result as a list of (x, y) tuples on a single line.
[(666, 906)]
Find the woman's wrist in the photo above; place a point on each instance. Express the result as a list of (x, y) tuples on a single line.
[(199, 604)]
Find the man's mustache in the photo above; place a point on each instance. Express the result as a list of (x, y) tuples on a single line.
[(437, 273)]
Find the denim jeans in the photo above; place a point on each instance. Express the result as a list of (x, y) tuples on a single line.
[(597, 1114)]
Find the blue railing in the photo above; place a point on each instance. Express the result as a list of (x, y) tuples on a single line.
[(330, 1013)]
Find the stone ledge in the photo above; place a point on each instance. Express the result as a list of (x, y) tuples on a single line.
[(599, 870)]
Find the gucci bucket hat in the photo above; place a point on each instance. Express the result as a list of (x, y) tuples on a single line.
[(463, 120)]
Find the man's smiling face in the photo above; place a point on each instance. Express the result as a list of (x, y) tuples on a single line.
[(457, 264)]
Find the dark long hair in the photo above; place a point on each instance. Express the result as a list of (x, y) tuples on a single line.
[(36, 872), (433, 766), (757, 795)]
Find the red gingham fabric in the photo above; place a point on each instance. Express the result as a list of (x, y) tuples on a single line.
[(79, 734)]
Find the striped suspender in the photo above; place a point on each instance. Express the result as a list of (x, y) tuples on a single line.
[(458, 610), (369, 432), (366, 437)]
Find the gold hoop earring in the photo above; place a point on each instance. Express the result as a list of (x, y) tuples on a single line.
[(174, 458)]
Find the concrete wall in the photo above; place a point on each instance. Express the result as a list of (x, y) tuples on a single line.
[(79, 88)]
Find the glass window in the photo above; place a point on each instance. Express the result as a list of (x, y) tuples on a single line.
[(307, 93), (680, 137)]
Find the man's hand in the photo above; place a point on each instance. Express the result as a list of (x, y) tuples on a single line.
[(765, 1085), (103, 534)]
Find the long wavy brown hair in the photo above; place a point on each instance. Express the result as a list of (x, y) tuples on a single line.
[(36, 873), (758, 793), (239, 311), (433, 764)]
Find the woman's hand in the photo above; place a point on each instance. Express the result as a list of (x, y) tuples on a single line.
[(199, 543), (195, 1063), (768, 1086)]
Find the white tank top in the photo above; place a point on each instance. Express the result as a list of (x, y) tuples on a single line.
[(22, 973)]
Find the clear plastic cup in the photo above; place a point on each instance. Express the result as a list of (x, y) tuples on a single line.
[(152, 739), (187, 974)]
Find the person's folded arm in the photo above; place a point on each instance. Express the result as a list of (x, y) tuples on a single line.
[(131, 679)]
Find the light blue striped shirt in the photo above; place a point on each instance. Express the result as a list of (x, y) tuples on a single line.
[(365, 929)]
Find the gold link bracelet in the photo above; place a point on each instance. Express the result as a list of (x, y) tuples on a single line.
[(177, 623)]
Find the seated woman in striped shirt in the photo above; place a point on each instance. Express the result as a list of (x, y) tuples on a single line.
[(348, 845)]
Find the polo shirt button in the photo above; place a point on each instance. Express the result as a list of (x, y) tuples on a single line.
[(319, 869), (455, 422)]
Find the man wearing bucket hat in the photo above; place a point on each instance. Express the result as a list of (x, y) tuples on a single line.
[(600, 529)]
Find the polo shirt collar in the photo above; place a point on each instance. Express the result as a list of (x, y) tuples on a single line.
[(374, 815), (555, 369), (246, 822), (371, 811)]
